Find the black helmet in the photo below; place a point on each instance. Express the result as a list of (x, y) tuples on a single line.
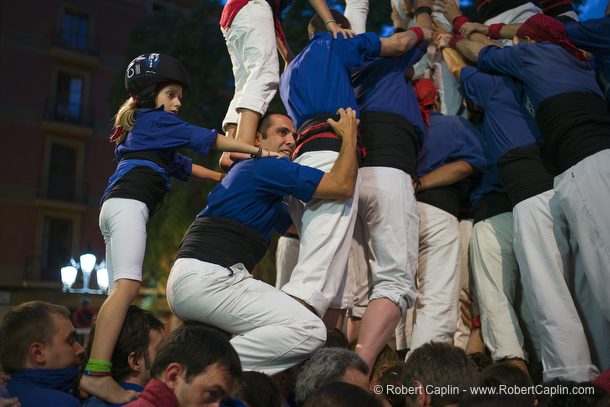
[(145, 72)]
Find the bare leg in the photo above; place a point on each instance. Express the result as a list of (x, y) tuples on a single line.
[(333, 318), (225, 161), (353, 327), (376, 328), (109, 324), (246, 130)]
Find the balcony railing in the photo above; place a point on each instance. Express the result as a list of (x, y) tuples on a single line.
[(63, 189), (74, 113), (76, 41)]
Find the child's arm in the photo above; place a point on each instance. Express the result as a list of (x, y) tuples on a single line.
[(200, 173), (332, 26), (285, 51), (224, 143)]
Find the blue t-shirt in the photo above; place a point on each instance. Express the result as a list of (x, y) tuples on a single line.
[(96, 402), (43, 387), (450, 139), (380, 85), (545, 69), (592, 36), (507, 123), (318, 80), (252, 193)]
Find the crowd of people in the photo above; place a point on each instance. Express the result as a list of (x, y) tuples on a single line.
[(439, 193)]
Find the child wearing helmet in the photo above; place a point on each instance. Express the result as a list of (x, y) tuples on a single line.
[(252, 30), (148, 130)]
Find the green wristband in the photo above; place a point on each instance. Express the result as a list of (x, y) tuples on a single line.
[(329, 21), (95, 365)]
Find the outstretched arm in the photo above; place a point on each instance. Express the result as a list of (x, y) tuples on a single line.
[(455, 61), (340, 182), (200, 173), (468, 48), (401, 42), (285, 51), (224, 143), (507, 31), (448, 174)]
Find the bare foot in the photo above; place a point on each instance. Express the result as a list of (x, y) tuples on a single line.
[(107, 389)]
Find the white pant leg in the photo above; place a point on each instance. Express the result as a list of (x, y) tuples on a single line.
[(123, 225), (273, 332), (358, 267), (541, 242), (286, 256), (438, 276), (404, 330), (462, 333), (356, 12), (391, 228), (252, 47), (583, 192), (326, 229), (496, 275)]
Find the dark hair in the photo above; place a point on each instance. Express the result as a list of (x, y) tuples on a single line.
[(265, 123), (316, 24), (134, 337), (507, 374), (195, 347), (570, 394), (257, 390), (340, 394), (440, 365), (389, 374), (335, 338), (386, 355), (493, 401), (23, 325)]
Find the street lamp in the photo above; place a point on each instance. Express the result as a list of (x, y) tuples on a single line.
[(87, 265)]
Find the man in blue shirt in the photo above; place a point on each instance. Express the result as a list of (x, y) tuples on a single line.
[(312, 88), (40, 353), (210, 281)]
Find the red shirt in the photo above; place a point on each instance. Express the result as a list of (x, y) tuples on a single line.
[(232, 7)]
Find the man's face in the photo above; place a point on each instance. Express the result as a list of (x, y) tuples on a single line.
[(209, 388), (280, 136), (63, 351), (156, 337)]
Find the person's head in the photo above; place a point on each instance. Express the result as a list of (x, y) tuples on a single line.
[(136, 347), (437, 365), (256, 389), (198, 364), (152, 80), (335, 338), (427, 94), (38, 335), (276, 133), (316, 24), (388, 376), (287, 380), (341, 394), (329, 365), (543, 28), (386, 355), (504, 375)]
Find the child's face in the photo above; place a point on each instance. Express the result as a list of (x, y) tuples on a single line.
[(170, 97)]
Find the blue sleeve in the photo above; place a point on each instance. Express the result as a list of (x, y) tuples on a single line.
[(476, 86), (283, 177), (471, 150), (179, 133), (412, 56), (353, 51), (507, 60), (591, 35), (181, 167), (284, 221)]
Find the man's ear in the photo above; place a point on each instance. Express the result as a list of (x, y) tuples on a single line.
[(37, 353), (134, 362), (174, 375), (257, 139), (423, 399)]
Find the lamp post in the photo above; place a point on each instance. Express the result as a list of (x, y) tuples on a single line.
[(87, 264)]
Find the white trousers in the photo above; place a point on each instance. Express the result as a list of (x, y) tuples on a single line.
[(273, 332), (545, 252), (583, 193), (438, 276), (286, 256), (252, 47), (356, 12), (506, 320), (123, 225), (516, 15), (325, 228), (462, 333)]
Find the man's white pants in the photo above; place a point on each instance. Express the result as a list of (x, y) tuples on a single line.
[(273, 331), (286, 257), (438, 276), (500, 294), (325, 228), (545, 253)]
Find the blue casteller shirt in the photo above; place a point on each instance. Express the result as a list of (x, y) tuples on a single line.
[(450, 139), (253, 190), (161, 133), (380, 85), (95, 402), (318, 80), (545, 69), (592, 36), (43, 387), (507, 124)]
